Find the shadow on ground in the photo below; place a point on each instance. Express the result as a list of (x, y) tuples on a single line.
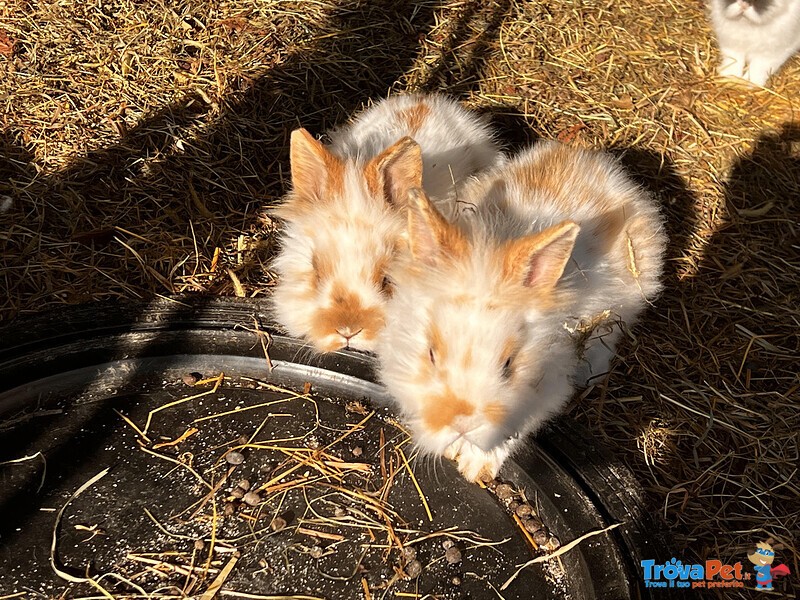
[(172, 173), (726, 340), (752, 270)]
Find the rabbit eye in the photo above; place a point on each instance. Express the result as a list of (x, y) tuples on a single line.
[(507, 368), (386, 286), (432, 357)]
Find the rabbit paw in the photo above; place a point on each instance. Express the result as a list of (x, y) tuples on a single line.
[(453, 450), (731, 65), (476, 464), (733, 70), (759, 72)]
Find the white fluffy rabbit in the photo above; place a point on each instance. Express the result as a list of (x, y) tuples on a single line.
[(479, 346), (755, 37), (345, 214)]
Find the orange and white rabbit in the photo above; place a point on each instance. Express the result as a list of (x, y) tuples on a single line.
[(345, 214), (477, 349)]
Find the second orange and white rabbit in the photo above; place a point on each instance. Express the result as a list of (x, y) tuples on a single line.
[(345, 214), (476, 349)]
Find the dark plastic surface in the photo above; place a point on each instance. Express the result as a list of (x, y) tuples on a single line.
[(95, 351)]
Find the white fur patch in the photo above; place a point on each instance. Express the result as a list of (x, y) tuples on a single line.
[(753, 43)]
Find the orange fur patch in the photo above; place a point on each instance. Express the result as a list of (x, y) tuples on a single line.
[(533, 175), (438, 343), (462, 300), (395, 171), (317, 174), (346, 312), (559, 164), (442, 410), (415, 116), (373, 178), (430, 235), (334, 183), (322, 266), (495, 412), (509, 349), (466, 359)]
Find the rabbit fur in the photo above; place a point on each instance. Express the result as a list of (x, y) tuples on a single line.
[(486, 332), (345, 215)]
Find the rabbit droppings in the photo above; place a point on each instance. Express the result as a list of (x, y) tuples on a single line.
[(477, 349), (344, 216)]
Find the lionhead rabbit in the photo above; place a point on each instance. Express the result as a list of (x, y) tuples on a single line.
[(476, 349), (345, 214)]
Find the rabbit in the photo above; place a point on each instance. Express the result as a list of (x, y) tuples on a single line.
[(479, 348), (344, 217), (755, 37)]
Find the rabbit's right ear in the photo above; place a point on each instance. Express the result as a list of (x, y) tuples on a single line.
[(430, 235), (396, 170), (316, 173), (538, 260)]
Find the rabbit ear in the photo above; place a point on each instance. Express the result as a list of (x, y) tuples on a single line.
[(430, 235), (605, 230), (315, 170), (538, 260), (396, 170)]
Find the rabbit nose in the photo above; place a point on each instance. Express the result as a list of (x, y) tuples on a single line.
[(348, 333), (461, 425)]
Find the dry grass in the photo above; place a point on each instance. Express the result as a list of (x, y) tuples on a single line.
[(140, 143)]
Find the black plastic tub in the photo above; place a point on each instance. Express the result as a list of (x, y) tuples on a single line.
[(76, 383)]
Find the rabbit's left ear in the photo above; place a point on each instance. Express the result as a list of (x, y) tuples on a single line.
[(538, 261), (315, 170), (430, 236), (396, 171)]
